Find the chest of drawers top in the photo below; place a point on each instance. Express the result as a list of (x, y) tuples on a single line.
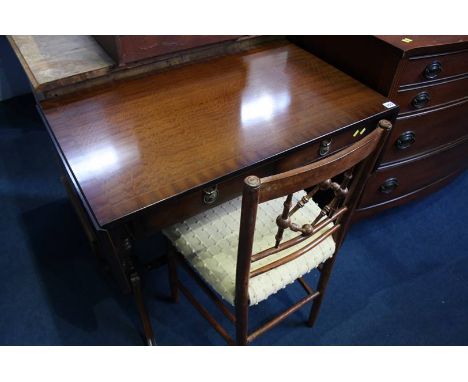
[(410, 46), (388, 63)]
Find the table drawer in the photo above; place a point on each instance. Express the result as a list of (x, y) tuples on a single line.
[(417, 133), (393, 182), (177, 209), (192, 203), (436, 67), (326, 146), (432, 95)]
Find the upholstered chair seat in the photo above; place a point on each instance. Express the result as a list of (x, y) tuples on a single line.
[(209, 241)]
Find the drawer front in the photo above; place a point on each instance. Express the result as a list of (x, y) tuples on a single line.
[(178, 209), (326, 146), (396, 181), (424, 69), (416, 133), (364, 213), (432, 95), (425, 97)]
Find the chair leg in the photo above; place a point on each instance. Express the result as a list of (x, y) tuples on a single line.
[(173, 279), (322, 284), (242, 323)]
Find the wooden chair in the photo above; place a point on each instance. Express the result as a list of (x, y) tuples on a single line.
[(217, 247)]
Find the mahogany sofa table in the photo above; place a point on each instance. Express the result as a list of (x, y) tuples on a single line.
[(140, 154)]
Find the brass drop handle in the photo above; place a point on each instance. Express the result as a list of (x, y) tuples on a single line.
[(421, 100), (405, 140), (432, 70), (389, 185), (325, 147), (210, 195)]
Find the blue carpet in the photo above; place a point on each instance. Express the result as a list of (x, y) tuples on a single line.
[(400, 279)]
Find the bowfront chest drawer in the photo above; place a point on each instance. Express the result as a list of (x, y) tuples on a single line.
[(396, 181), (416, 134), (427, 76), (427, 68), (428, 96)]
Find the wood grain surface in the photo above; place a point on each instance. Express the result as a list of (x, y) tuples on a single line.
[(51, 61), (133, 144)]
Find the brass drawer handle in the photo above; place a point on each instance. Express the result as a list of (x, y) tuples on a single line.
[(389, 185), (421, 100), (432, 70), (210, 195), (325, 147), (405, 140)]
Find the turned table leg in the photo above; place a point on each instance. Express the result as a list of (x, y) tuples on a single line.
[(135, 282), (113, 247), (119, 248)]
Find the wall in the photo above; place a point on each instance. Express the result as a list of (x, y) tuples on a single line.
[(13, 80)]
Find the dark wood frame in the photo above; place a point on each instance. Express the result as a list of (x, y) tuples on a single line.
[(361, 156)]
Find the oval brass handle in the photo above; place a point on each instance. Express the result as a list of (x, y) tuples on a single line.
[(325, 147), (389, 185), (210, 195), (421, 100), (432, 70), (405, 140)]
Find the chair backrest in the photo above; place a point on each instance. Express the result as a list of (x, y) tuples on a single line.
[(343, 174)]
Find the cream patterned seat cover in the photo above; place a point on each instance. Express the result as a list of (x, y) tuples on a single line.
[(209, 242)]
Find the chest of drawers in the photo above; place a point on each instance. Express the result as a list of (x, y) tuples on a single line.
[(427, 76)]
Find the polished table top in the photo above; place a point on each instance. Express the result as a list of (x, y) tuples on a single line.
[(132, 144)]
